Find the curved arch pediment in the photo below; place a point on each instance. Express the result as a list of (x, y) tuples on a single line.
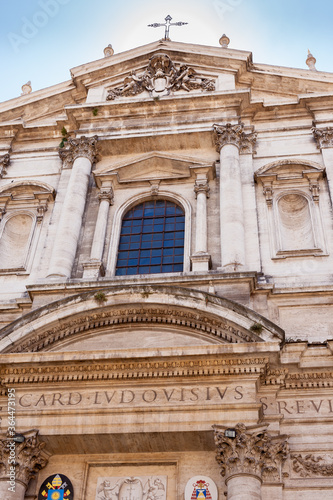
[(300, 166), (127, 312)]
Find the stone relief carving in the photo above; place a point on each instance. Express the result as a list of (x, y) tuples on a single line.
[(4, 163), (311, 465), (252, 451), (132, 488), (160, 78), (234, 134), (85, 147), (28, 456), (323, 137)]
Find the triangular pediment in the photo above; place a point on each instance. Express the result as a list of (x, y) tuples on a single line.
[(152, 166)]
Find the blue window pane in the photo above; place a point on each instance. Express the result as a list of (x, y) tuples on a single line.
[(144, 261), (146, 237), (155, 260), (158, 228), (121, 272), (127, 223), (168, 259), (168, 243), (145, 253), (156, 244), (135, 238), (135, 246), (157, 237), (179, 251), (124, 246), (133, 254), (137, 222), (170, 210), (155, 253), (167, 269), (168, 236), (180, 225), (146, 244), (138, 211), (149, 212), (132, 270), (122, 263), (147, 229), (169, 227), (179, 243), (126, 230), (155, 269), (144, 270), (167, 251), (178, 267), (178, 259), (125, 239), (179, 234), (122, 255), (179, 211), (159, 211)]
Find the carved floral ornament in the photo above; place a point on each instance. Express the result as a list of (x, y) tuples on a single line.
[(83, 147), (234, 134), (160, 78), (4, 163), (323, 137), (312, 465), (28, 456), (253, 451)]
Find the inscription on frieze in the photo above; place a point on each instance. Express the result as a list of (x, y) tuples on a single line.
[(139, 397), (131, 488), (296, 408)]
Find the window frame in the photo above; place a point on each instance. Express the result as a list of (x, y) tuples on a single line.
[(117, 224)]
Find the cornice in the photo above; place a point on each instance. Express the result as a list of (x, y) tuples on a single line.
[(141, 369)]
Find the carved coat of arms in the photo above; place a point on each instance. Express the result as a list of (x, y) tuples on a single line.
[(160, 78), (132, 488)]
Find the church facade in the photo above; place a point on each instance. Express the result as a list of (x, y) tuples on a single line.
[(166, 299)]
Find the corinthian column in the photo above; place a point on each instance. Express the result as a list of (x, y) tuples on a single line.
[(201, 259), (247, 458), (94, 267), (80, 154), (19, 463), (230, 140)]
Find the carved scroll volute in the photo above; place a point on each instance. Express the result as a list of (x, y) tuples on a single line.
[(29, 457), (83, 147), (234, 134), (253, 451), (4, 163)]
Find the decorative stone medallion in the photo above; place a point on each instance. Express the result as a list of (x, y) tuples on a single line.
[(201, 488), (132, 488), (56, 487)]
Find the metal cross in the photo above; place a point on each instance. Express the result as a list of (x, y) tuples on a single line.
[(167, 25)]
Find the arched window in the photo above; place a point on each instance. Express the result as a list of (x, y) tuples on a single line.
[(152, 239)]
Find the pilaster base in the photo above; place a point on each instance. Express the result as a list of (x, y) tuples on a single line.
[(93, 269), (201, 262)]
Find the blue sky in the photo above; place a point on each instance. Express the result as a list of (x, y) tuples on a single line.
[(40, 40)]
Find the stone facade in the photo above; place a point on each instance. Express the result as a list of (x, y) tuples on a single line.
[(212, 380)]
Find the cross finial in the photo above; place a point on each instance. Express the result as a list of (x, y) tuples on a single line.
[(167, 25)]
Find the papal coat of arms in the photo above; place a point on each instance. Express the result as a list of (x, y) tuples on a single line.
[(132, 488), (56, 487)]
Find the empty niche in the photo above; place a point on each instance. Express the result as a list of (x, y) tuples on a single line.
[(296, 231), (14, 241)]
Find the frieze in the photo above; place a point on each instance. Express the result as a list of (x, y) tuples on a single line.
[(136, 396), (133, 369), (136, 488), (194, 321), (160, 78), (312, 465)]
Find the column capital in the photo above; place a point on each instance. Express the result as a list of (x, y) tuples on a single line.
[(29, 457), (106, 193), (83, 147), (234, 134), (323, 137), (201, 186), (253, 451), (4, 163)]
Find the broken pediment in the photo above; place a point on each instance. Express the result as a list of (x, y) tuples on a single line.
[(161, 77), (152, 166)]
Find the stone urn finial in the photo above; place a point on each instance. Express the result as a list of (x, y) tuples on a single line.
[(311, 61), (26, 88), (224, 41), (108, 51)]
